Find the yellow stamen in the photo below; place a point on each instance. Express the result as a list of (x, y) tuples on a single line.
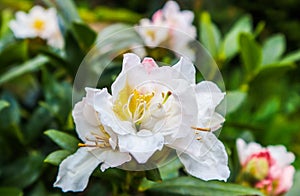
[(166, 97), (39, 24), (201, 129)]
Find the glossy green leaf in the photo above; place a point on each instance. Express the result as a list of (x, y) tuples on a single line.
[(104, 13), (6, 16), (23, 171), (291, 57), (251, 53), (12, 51), (231, 39), (273, 48), (84, 35), (10, 191), (64, 140), (66, 9), (153, 175), (234, 100), (29, 66), (3, 104), (193, 186), (209, 34), (56, 157)]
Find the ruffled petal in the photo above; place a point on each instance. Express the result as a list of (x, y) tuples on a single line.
[(281, 155), (85, 118), (211, 160), (75, 170), (187, 69), (245, 150), (142, 145), (114, 159)]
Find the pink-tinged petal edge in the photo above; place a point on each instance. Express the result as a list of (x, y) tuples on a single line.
[(149, 64)]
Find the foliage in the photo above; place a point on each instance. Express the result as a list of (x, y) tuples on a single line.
[(36, 126)]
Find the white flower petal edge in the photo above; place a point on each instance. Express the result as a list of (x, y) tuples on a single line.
[(282, 156), (100, 147), (209, 162), (147, 142), (75, 170)]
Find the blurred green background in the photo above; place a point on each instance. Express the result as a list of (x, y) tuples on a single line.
[(36, 85)]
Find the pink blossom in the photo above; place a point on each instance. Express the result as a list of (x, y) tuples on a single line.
[(268, 169)]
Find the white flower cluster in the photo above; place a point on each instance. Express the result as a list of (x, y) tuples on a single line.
[(39, 22), (150, 108), (169, 28)]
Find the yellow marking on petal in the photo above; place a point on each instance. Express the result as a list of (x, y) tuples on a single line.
[(151, 34), (121, 101), (198, 138), (38, 24), (201, 129)]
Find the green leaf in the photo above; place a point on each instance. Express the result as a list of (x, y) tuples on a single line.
[(234, 100), (6, 16), (153, 175), (291, 57), (193, 186), (56, 157), (36, 124), (66, 9), (231, 39), (84, 35), (3, 104), (104, 13), (209, 34), (64, 140), (251, 53), (12, 51), (23, 172), (10, 191), (273, 48), (29, 66)]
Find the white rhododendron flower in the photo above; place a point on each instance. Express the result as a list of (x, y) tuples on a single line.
[(39, 22), (151, 108), (169, 27), (145, 108), (268, 169), (99, 147)]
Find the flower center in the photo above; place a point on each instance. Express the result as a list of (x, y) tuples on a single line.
[(38, 24), (97, 140), (137, 106)]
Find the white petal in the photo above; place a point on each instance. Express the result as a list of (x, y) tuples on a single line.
[(149, 64), (142, 145), (85, 118), (210, 162), (187, 69), (170, 8), (75, 170), (208, 94), (107, 116), (280, 154), (245, 150), (114, 159), (130, 60)]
